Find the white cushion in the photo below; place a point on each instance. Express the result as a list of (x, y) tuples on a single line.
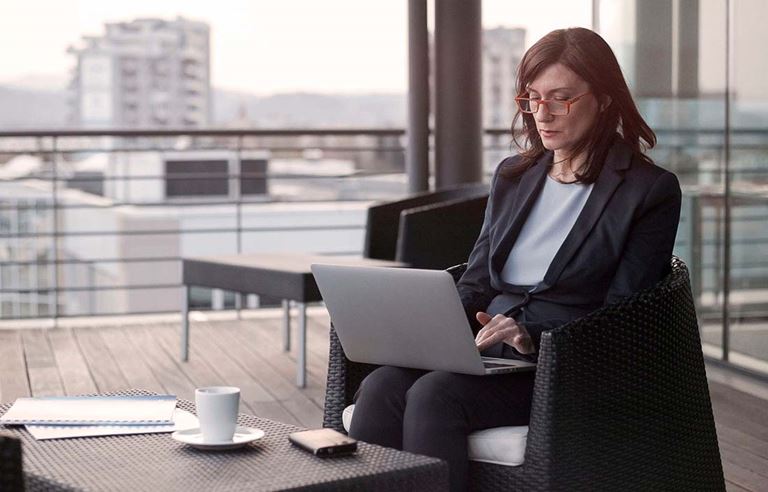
[(499, 445)]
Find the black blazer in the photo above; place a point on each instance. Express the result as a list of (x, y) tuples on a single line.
[(621, 243)]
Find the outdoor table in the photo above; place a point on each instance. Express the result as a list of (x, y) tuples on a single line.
[(158, 462), (286, 276)]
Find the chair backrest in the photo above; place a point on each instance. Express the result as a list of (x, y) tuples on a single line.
[(383, 219), (440, 235), (626, 384)]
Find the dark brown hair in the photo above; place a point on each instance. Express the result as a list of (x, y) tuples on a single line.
[(586, 54)]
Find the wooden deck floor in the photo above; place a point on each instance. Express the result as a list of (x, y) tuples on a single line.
[(248, 354)]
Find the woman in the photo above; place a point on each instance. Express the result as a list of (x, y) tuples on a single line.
[(579, 219)]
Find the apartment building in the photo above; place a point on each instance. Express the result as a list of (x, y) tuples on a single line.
[(146, 73)]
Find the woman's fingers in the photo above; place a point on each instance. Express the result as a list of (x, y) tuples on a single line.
[(499, 329), (507, 330), (524, 344), (496, 323), (497, 336), (483, 318)]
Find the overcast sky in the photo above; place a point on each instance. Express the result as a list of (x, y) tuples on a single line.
[(262, 46)]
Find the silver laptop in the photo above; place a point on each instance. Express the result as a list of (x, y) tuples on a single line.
[(404, 317)]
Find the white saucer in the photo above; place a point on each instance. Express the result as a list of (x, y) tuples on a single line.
[(193, 437)]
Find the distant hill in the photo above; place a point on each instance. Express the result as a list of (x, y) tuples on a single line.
[(27, 108), (310, 110), (23, 109)]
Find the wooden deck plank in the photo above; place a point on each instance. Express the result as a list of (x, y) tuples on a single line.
[(306, 411), (742, 439), (267, 342), (256, 364), (737, 474), (745, 459), (73, 369), (293, 399), (751, 407), (732, 487), (43, 373), (251, 351), (165, 366), (14, 381), (164, 369), (318, 333), (106, 373), (317, 343), (731, 416), (218, 356), (134, 368), (197, 368)]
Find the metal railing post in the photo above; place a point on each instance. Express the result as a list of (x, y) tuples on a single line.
[(55, 255), (238, 195), (695, 247)]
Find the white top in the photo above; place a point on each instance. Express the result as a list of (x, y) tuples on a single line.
[(549, 222)]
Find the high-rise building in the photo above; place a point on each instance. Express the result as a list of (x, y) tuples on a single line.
[(146, 73), (503, 49)]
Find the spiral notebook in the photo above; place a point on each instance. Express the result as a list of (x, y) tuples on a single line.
[(92, 410), (182, 419)]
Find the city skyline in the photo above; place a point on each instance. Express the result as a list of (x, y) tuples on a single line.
[(316, 40)]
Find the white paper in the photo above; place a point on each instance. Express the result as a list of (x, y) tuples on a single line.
[(182, 419), (92, 410)]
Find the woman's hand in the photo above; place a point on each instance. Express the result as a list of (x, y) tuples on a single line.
[(499, 328)]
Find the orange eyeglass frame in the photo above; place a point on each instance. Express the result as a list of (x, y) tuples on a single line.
[(539, 102)]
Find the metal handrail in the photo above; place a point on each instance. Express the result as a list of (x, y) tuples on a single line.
[(50, 142)]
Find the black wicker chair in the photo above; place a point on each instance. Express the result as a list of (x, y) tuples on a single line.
[(11, 477), (453, 225), (620, 401), (383, 219)]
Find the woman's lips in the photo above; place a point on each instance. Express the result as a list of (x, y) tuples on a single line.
[(548, 133)]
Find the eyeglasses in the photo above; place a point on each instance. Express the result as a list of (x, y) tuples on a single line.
[(554, 106)]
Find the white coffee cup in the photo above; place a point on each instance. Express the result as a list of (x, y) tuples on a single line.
[(217, 411)]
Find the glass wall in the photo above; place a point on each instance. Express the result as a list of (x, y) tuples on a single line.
[(748, 186), (697, 69)]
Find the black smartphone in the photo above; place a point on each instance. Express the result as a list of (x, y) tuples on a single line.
[(323, 442)]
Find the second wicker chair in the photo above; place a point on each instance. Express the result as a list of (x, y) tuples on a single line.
[(620, 401)]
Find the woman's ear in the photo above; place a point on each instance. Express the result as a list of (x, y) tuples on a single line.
[(605, 101)]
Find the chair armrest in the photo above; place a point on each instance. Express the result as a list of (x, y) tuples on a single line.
[(344, 377), (624, 388)]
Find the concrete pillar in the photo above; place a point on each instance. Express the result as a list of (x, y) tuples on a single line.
[(653, 58), (417, 150), (458, 87)]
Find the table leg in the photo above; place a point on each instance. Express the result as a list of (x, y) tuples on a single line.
[(286, 325), (241, 302), (185, 323), (301, 376)]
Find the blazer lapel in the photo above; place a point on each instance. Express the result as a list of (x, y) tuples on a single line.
[(528, 189), (618, 159)]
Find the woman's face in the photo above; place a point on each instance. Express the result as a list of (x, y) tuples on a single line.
[(562, 133)]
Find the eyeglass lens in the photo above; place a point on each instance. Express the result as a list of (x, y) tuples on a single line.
[(554, 107)]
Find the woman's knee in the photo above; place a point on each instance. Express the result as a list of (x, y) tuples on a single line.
[(437, 391), (386, 382)]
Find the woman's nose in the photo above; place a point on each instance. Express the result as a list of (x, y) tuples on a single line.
[(543, 115)]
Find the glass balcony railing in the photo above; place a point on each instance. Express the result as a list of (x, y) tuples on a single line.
[(96, 222)]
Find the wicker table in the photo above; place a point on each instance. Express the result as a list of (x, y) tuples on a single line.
[(157, 462), (287, 276)]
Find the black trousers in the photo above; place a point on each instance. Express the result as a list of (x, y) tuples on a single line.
[(432, 413)]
